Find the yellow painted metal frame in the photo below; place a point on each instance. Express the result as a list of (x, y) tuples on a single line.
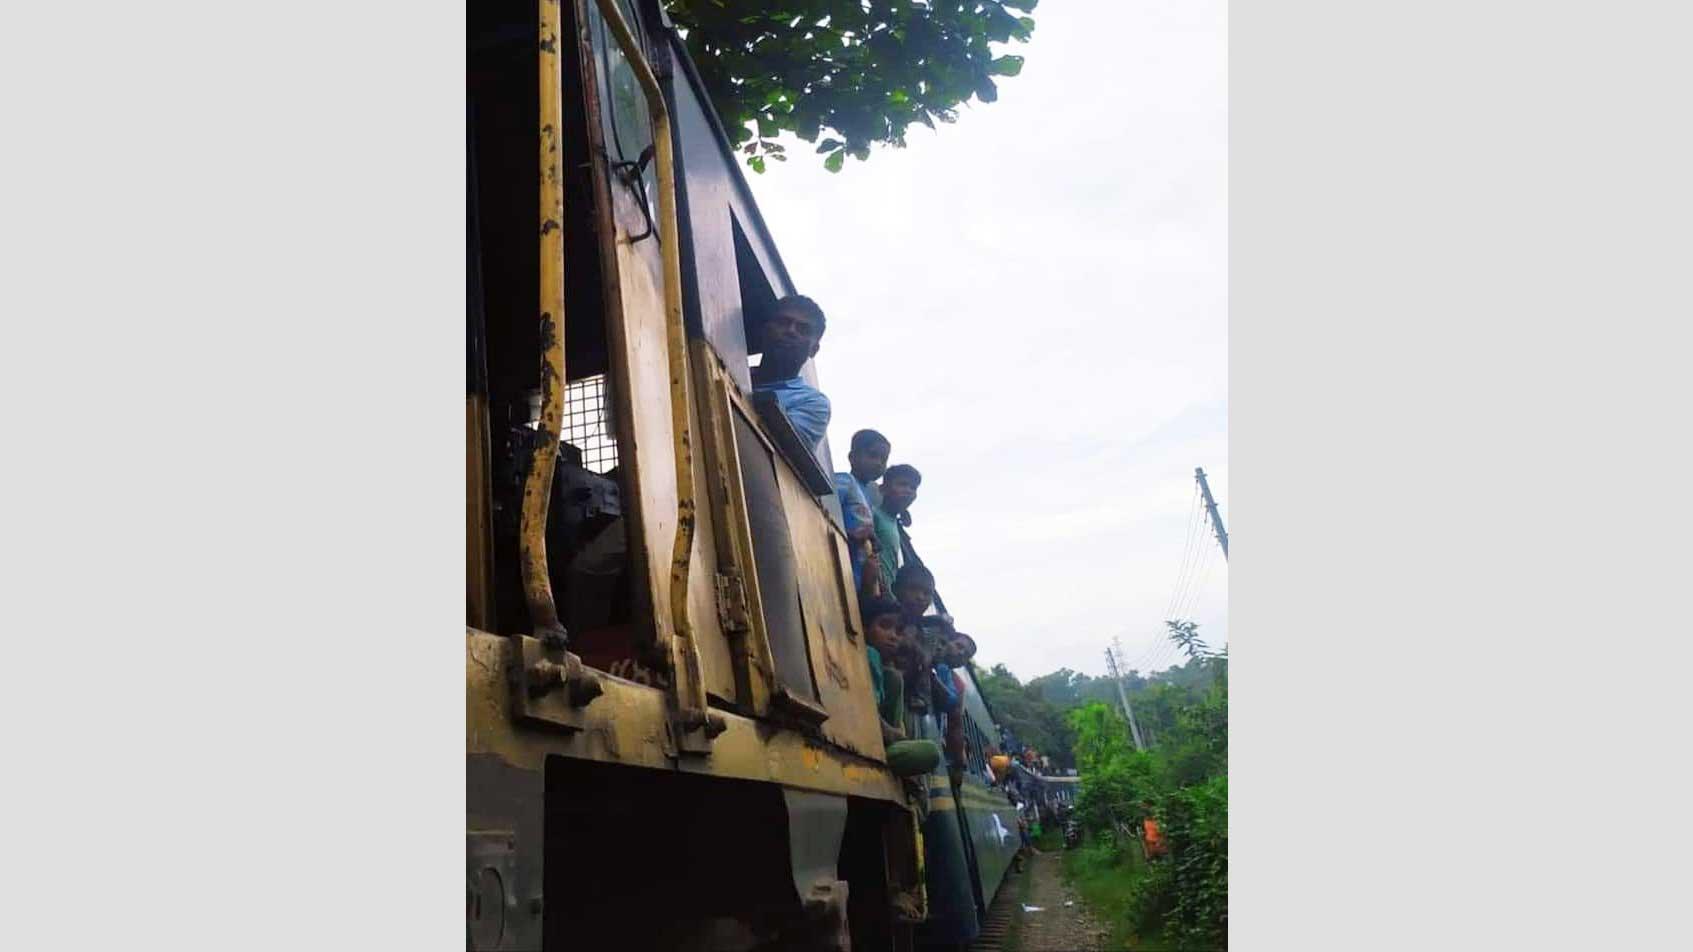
[(626, 725), (538, 484), (755, 666), (689, 684)]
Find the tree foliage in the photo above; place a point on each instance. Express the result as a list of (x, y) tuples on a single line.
[(853, 72), (1023, 710), (1182, 780)]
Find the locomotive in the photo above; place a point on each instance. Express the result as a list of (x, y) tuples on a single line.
[(671, 737)]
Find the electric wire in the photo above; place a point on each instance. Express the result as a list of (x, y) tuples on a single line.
[(1188, 551), (1184, 612)]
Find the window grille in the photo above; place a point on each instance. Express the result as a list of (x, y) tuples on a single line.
[(587, 423)]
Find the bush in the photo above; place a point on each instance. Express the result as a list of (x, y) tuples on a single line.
[(1196, 825), (1180, 901)]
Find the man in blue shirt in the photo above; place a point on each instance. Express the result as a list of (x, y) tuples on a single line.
[(790, 337)]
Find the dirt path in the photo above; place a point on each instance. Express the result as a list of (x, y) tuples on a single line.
[(1057, 927)]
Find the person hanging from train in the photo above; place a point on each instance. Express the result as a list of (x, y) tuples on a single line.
[(906, 757), (919, 632), (867, 458), (882, 645), (898, 491), (789, 337), (956, 652)]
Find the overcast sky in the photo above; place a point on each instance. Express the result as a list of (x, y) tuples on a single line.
[(1032, 305)]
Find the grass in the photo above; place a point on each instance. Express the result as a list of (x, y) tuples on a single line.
[(1106, 879)]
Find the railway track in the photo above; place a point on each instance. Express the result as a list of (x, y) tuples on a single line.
[(996, 932)]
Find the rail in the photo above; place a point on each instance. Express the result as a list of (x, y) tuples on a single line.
[(538, 483)]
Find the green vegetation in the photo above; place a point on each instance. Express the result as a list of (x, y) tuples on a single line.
[(1181, 899), (862, 71), (1026, 711), (1050, 840), (1177, 902), (1106, 877)]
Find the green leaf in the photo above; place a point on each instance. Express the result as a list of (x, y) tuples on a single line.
[(774, 68), (835, 160), (757, 163)]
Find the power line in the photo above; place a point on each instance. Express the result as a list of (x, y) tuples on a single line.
[(1198, 588), (1190, 594), (1160, 647), (1194, 520)]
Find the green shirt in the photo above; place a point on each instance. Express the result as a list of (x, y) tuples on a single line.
[(887, 547), (875, 672)]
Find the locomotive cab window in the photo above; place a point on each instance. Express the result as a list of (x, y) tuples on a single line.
[(783, 393)]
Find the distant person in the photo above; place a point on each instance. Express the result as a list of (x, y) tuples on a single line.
[(898, 492), (1152, 837), (789, 337)]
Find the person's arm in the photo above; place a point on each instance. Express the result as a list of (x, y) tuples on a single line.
[(809, 412)]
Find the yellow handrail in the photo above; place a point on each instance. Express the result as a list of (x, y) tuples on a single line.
[(690, 686), (538, 484)]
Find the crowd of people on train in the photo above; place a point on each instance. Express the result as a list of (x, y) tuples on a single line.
[(916, 654)]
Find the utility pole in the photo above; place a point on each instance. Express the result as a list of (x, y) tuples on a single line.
[(1211, 507), (1129, 712)]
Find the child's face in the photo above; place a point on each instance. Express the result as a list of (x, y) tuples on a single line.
[(914, 598), (959, 650), (884, 633), (870, 462), (954, 655), (898, 494)]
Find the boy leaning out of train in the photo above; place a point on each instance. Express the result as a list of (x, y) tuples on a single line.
[(907, 758), (955, 653), (881, 634), (914, 588)]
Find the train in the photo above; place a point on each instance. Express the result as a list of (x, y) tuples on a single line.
[(671, 736)]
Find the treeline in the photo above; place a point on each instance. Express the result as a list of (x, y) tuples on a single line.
[(1037, 711)]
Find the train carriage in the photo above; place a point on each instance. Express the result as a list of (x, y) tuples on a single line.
[(671, 740)]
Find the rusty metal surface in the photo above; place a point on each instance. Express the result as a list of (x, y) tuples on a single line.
[(689, 682), (538, 481), (677, 609), (838, 657), (629, 724), (754, 663)]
